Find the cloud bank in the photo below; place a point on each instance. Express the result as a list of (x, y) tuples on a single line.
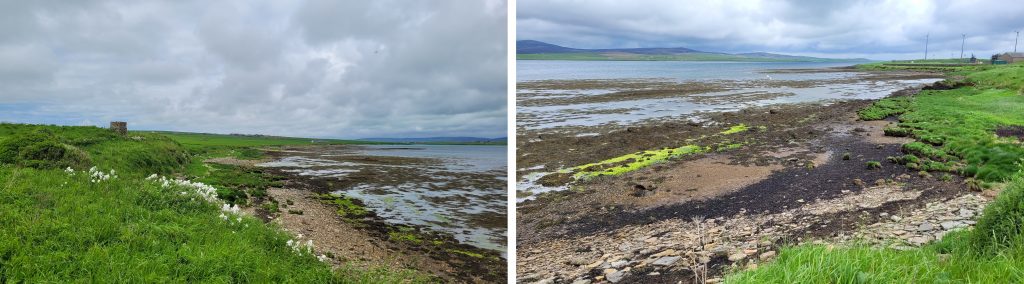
[(877, 29), (316, 68)]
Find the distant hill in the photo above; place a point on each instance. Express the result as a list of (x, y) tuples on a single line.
[(537, 50), (441, 140)]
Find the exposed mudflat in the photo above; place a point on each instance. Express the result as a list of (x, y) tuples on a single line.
[(800, 176), (594, 105), (426, 210)]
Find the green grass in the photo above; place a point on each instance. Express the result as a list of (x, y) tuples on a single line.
[(885, 108), (955, 128), (92, 146), (235, 185), (59, 227), (250, 140)]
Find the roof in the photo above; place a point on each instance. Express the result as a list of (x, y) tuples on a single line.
[(1013, 54)]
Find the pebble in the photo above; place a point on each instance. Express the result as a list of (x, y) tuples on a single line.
[(667, 252)]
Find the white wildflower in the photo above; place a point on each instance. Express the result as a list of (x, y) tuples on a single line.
[(69, 170)]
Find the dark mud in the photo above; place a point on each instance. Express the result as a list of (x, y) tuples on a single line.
[(1011, 131)]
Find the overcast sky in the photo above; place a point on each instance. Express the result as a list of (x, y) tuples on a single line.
[(346, 69), (871, 29)]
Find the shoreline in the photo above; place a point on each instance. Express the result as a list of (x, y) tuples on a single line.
[(308, 208), (805, 156)]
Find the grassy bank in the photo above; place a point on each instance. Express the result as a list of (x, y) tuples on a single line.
[(956, 132), (113, 224)]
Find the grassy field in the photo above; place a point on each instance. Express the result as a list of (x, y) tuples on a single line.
[(204, 139), (113, 224), (955, 132)]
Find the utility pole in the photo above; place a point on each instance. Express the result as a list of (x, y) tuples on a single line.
[(962, 46), (1015, 42), (926, 45)]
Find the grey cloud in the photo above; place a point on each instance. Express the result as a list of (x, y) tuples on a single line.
[(307, 68), (867, 28)]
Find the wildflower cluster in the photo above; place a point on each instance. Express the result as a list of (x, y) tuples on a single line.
[(96, 175), (228, 212), (207, 192), (299, 247), (232, 210)]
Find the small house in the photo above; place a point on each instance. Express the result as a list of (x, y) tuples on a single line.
[(1008, 57)]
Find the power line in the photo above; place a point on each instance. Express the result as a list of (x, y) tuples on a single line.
[(962, 46), (926, 45)]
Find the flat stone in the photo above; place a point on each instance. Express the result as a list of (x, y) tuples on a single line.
[(667, 252), (767, 255), (926, 226), (918, 240), (895, 218), (666, 261), (949, 225), (737, 256), (578, 261), (619, 264), (615, 277)]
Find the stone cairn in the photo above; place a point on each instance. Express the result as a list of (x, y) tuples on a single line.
[(120, 127)]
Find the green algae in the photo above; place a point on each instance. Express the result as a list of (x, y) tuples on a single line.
[(635, 161), (631, 162), (736, 129)]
